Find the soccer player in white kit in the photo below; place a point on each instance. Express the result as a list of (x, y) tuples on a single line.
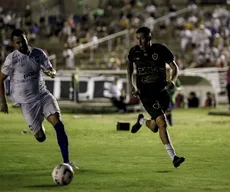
[(24, 67)]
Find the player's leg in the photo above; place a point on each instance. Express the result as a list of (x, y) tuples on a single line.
[(153, 110), (115, 103), (32, 114), (123, 104), (52, 113), (165, 138), (62, 137), (168, 114), (158, 121), (163, 132), (141, 120), (40, 135), (228, 92)]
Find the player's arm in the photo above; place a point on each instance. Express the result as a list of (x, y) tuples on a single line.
[(169, 59), (46, 66), (3, 102), (130, 69), (130, 74), (134, 91), (4, 73), (175, 71)]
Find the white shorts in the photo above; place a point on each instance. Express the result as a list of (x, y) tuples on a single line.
[(35, 112)]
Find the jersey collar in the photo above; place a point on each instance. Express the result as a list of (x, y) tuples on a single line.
[(30, 51)]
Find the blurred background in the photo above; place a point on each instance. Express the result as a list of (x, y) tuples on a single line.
[(88, 41)]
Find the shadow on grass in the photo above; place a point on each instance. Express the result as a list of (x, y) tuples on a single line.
[(163, 171), (43, 186), (98, 172)]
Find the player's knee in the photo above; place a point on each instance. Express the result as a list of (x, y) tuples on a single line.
[(152, 124), (161, 122), (41, 139), (54, 118)]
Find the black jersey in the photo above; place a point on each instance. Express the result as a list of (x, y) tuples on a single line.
[(150, 67)]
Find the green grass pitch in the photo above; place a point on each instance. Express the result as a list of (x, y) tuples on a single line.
[(118, 161)]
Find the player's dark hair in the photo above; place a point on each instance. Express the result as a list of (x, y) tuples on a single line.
[(17, 32), (144, 30)]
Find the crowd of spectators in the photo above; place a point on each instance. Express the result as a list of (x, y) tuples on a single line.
[(206, 36), (203, 36)]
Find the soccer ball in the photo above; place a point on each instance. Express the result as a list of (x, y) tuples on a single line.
[(62, 174)]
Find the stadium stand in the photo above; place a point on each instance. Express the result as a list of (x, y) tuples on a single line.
[(198, 36)]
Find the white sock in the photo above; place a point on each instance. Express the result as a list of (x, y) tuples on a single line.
[(142, 121), (170, 150)]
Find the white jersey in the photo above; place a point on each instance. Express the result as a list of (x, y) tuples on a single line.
[(116, 90), (26, 78)]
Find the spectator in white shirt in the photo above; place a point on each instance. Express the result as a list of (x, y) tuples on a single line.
[(69, 57), (117, 96)]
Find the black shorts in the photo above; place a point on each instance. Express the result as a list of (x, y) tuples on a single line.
[(156, 105)]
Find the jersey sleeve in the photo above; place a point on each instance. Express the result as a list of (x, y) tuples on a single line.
[(7, 66), (167, 54), (130, 56), (45, 63)]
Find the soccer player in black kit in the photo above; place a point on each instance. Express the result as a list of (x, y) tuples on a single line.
[(151, 86)]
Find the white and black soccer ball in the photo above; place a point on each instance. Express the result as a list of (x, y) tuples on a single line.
[(62, 174)]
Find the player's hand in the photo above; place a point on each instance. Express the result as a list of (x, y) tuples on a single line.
[(170, 84), (135, 92), (49, 72), (4, 108)]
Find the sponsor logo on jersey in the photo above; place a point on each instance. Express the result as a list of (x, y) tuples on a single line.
[(147, 70), (30, 74), (148, 79)]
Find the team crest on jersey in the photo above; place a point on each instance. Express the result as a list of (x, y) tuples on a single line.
[(155, 56)]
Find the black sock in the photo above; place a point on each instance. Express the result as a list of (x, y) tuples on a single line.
[(62, 139)]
